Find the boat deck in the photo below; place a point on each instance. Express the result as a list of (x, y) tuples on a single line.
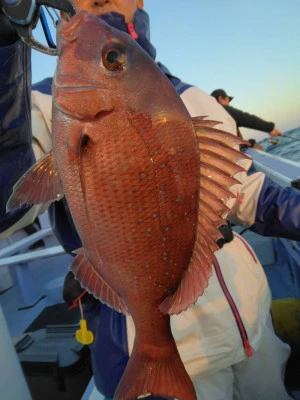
[(48, 274)]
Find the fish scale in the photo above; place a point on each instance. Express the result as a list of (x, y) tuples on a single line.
[(147, 175)]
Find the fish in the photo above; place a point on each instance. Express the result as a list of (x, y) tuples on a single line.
[(147, 187)]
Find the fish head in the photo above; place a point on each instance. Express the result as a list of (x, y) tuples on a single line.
[(101, 69)]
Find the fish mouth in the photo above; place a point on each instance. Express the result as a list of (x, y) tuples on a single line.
[(69, 83), (72, 97), (79, 88)]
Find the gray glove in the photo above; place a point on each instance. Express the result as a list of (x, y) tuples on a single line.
[(8, 35)]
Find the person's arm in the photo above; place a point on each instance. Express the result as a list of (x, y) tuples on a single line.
[(247, 120), (15, 128), (267, 208), (261, 204), (278, 211)]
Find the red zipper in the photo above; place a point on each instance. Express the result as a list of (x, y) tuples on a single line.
[(247, 247), (132, 31), (234, 309)]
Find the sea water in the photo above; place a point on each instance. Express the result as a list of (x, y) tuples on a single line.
[(287, 147)]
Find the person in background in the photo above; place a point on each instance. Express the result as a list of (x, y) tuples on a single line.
[(222, 362), (244, 119)]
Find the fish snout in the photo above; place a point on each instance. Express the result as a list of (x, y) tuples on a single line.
[(69, 30)]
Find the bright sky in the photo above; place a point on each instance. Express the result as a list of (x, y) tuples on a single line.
[(250, 48)]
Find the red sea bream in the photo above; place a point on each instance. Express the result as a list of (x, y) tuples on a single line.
[(146, 185)]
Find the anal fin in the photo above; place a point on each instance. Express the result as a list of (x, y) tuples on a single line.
[(90, 280)]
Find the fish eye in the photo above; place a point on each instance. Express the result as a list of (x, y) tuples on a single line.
[(114, 58)]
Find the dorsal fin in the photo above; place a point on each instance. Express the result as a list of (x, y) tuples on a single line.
[(218, 164), (214, 203), (217, 176), (220, 150), (40, 184)]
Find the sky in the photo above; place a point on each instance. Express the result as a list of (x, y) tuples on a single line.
[(250, 48)]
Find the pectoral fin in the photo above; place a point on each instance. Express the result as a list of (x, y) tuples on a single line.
[(40, 184)]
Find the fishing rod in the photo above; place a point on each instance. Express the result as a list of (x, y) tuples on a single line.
[(291, 137), (276, 140), (25, 14)]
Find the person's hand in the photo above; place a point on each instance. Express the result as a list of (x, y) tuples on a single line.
[(276, 132), (258, 147), (8, 35)]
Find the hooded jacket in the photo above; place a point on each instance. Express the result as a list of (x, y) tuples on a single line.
[(218, 331)]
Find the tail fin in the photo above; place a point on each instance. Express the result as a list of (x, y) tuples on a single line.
[(161, 376)]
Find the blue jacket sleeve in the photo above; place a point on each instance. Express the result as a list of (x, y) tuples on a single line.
[(16, 154), (109, 352), (278, 211)]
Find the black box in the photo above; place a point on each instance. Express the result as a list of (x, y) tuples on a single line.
[(55, 365)]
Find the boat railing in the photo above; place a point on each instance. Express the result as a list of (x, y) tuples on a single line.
[(17, 256)]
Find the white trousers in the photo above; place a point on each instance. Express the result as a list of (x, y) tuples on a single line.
[(260, 377)]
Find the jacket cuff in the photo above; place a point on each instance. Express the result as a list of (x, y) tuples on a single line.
[(278, 211)]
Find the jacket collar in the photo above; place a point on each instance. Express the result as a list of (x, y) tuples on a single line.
[(141, 26)]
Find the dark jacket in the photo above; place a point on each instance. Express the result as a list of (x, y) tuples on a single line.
[(16, 154), (246, 120)]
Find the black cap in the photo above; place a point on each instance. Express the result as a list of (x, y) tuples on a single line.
[(220, 92)]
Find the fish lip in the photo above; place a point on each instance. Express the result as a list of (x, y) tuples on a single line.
[(69, 82), (70, 88)]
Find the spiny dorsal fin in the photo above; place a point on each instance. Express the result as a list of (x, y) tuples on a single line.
[(214, 160), (218, 165), (40, 184), (218, 176), (216, 205), (204, 129), (221, 150)]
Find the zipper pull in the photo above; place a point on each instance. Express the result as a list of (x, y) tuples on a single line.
[(132, 31), (239, 198), (248, 348), (83, 335)]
